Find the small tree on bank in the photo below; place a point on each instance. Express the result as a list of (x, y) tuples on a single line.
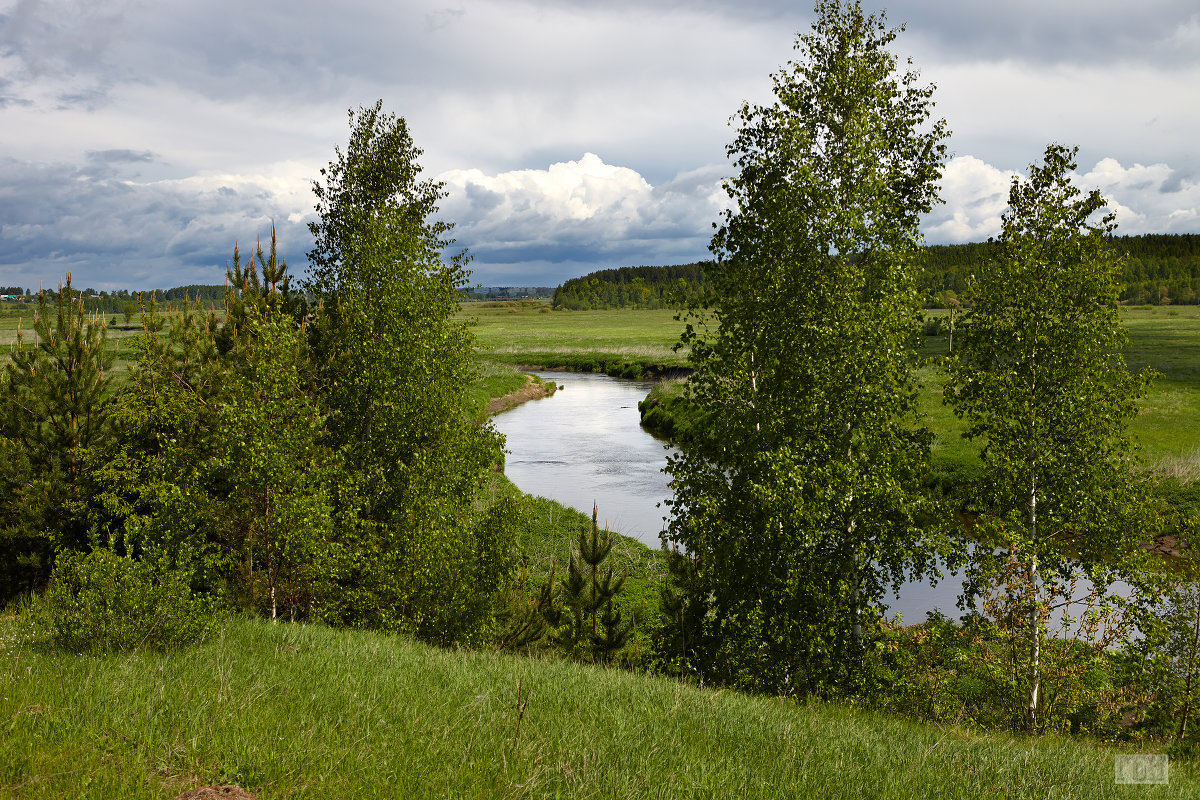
[(797, 504), (1041, 381)]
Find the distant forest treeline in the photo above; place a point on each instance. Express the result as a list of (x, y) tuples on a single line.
[(632, 287), (124, 301), (1160, 269)]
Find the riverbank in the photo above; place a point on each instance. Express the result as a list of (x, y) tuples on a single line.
[(585, 446), (534, 389), (549, 530), (613, 368)]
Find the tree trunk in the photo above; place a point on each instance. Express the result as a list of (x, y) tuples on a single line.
[(1191, 667), (1035, 628), (856, 636)]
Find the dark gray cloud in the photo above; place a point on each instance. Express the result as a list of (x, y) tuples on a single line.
[(113, 233), (1065, 31), (1176, 181), (143, 138), (1045, 32)]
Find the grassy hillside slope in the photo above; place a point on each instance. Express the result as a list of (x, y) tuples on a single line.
[(307, 711)]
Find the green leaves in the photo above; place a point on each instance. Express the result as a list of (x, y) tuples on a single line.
[(53, 413), (390, 363), (1042, 382), (797, 501), (278, 510)]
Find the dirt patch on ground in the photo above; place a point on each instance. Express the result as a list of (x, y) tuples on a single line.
[(532, 390), (1165, 545), (217, 793)]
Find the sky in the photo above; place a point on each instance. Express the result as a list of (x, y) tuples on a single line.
[(141, 139)]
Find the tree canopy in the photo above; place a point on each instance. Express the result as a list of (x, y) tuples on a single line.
[(794, 506), (1042, 384), (391, 362)]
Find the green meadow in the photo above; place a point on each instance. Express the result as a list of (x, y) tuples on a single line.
[(530, 333), (1163, 338), (307, 711)]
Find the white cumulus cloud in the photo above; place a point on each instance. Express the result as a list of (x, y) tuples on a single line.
[(975, 195), (1145, 198), (582, 211)]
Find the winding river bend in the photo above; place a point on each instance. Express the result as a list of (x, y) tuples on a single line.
[(585, 444)]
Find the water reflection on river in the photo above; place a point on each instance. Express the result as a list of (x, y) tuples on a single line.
[(585, 445)]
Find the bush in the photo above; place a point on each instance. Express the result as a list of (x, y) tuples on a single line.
[(102, 603)]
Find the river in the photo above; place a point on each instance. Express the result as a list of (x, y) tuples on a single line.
[(585, 444)]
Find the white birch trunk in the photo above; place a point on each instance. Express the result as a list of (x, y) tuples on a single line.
[(1035, 629)]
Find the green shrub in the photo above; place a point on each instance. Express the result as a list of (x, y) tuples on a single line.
[(966, 673), (102, 603), (632, 371)]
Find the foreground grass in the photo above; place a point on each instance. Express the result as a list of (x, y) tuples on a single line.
[(307, 711)]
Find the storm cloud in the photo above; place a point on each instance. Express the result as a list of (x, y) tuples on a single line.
[(140, 141)]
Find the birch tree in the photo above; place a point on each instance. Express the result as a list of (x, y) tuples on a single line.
[(1041, 380), (391, 364), (797, 504)]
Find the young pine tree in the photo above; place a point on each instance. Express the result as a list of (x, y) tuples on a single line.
[(595, 628), (53, 414)]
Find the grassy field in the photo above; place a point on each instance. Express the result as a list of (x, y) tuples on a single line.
[(1165, 338), (19, 317), (1166, 431), (530, 333), (306, 711), (14, 316)]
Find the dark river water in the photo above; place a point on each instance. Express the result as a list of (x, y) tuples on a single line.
[(585, 444)]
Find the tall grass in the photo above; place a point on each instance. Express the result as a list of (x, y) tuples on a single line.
[(306, 711), (1184, 467)]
